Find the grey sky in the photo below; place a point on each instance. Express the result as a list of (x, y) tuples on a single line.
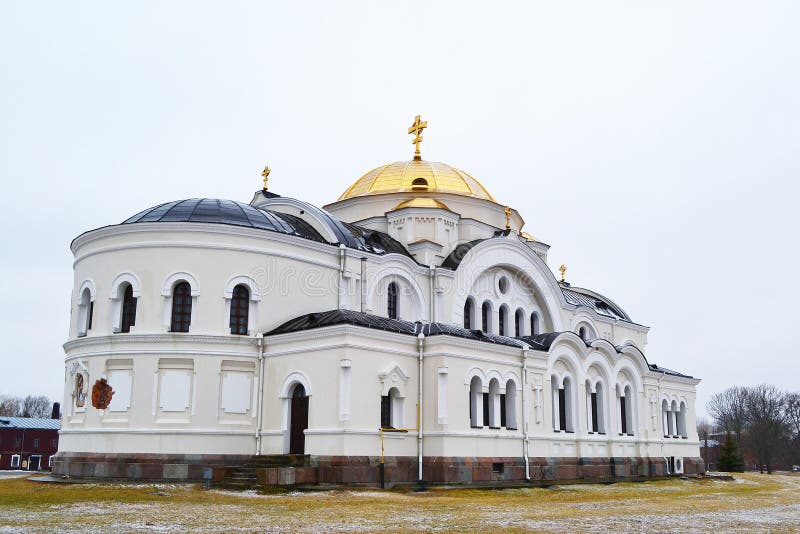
[(653, 146)]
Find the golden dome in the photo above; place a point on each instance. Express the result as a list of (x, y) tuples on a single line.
[(417, 177), (421, 202)]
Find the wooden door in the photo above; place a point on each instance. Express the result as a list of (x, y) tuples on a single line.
[(299, 421)]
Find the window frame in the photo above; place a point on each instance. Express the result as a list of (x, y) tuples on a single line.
[(181, 307)]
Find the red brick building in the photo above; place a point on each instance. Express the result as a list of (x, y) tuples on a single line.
[(27, 443)]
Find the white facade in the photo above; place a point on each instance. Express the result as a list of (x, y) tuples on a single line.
[(208, 391)]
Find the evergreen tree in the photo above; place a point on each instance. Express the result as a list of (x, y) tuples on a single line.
[(729, 459)]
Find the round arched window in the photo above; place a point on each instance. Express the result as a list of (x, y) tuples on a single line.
[(419, 184)]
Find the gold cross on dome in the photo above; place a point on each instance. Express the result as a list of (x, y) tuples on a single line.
[(416, 129), (563, 270), (265, 174), (507, 211)]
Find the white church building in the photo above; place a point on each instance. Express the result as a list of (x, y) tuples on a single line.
[(410, 330)]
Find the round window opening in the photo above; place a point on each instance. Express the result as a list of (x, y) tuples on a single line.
[(502, 284)]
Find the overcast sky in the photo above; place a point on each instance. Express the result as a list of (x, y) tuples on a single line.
[(654, 147)]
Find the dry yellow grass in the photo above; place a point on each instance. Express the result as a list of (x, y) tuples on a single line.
[(751, 503)]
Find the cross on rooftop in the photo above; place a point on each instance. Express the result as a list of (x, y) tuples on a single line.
[(416, 129)]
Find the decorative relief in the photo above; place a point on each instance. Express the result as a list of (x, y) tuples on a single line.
[(80, 381), (80, 391), (101, 394)]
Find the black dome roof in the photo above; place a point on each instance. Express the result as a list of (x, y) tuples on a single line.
[(231, 212)]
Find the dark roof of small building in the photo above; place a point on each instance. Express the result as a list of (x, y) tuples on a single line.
[(30, 423), (336, 317)]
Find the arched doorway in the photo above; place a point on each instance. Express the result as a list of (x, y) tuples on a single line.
[(298, 420)]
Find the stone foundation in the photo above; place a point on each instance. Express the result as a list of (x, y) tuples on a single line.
[(366, 471)]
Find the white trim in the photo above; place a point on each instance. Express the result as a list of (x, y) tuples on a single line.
[(121, 278), (295, 377), (252, 285), (180, 276)]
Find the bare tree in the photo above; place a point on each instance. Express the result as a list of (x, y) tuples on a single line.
[(704, 429), (793, 414), (766, 422), (36, 406), (729, 410), (10, 406)]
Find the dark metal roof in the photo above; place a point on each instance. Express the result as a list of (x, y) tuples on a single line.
[(30, 423), (375, 241), (579, 296), (230, 212), (453, 260), (541, 342), (657, 369), (336, 317)]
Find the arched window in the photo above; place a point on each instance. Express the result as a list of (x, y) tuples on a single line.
[(476, 402), (85, 312), (181, 307), (392, 409), (391, 301), (469, 310), (240, 310), (673, 419), (626, 412), (666, 422), (494, 403), (582, 333), (562, 405), (599, 402), (519, 323), (508, 417), (419, 184), (595, 407), (535, 324), (486, 310), (128, 318), (682, 420), (503, 320)]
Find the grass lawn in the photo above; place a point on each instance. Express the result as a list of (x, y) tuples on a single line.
[(751, 503)]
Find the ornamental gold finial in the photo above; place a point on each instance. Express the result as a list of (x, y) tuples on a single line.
[(265, 174), (507, 211), (416, 129), (563, 270)]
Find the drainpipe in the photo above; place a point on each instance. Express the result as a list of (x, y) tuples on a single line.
[(432, 309), (420, 345), (525, 444), (342, 250), (259, 409), (363, 284), (661, 422)]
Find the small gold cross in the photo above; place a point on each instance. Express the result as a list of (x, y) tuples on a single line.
[(563, 270), (507, 211), (416, 129)]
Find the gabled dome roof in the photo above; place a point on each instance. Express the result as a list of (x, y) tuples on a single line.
[(417, 177)]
